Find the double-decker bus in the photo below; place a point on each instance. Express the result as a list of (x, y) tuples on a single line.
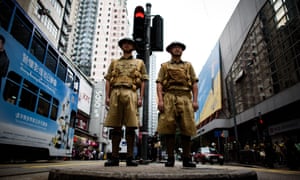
[(38, 94)]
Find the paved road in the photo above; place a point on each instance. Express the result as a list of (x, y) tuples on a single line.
[(40, 171)]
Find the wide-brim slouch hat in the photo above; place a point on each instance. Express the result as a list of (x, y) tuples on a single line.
[(128, 40), (175, 43)]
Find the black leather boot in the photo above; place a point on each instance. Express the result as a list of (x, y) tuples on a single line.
[(130, 135), (186, 146), (170, 162), (187, 162), (131, 162), (170, 142), (112, 162), (116, 138)]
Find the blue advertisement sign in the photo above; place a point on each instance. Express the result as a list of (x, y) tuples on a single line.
[(21, 126), (209, 91)]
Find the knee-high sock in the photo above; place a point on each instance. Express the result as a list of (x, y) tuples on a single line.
[(186, 146), (170, 142), (116, 139), (130, 136)]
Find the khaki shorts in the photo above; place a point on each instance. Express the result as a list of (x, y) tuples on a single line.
[(122, 108), (178, 113)]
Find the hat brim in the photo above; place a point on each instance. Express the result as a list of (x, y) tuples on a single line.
[(122, 41), (175, 44)]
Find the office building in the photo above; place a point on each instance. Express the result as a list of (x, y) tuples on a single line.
[(99, 26), (253, 93), (53, 18)]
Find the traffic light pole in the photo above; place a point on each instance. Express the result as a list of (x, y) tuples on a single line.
[(146, 99)]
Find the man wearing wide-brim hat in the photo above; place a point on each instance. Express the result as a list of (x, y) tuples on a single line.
[(175, 44), (177, 93), (124, 77), (128, 41)]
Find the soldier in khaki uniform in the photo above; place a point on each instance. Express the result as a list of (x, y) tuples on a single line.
[(177, 92), (124, 77)]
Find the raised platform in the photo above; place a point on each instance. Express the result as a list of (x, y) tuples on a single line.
[(150, 172)]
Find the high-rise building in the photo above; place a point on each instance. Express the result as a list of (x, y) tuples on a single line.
[(153, 112), (99, 27), (52, 17), (84, 35)]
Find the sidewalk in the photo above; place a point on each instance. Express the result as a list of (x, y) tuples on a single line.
[(276, 165), (151, 171)]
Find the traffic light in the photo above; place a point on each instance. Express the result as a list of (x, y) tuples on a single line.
[(139, 28), (157, 34), (260, 119)]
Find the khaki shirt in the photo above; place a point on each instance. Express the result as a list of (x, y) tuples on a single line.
[(126, 72), (168, 72)]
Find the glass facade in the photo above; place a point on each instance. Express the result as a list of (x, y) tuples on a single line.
[(260, 64), (269, 59)]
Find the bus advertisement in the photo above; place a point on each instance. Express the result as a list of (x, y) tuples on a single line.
[(39, 92)]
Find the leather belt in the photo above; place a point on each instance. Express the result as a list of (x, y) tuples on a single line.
[(122, 86)]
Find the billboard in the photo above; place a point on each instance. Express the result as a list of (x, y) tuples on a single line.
[(209, 87), (85, 96)]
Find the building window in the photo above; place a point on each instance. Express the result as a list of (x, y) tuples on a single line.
[(268, 55)]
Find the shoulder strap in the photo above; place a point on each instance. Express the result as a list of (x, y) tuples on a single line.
[(139, 63), (113, 62), (164, 65)]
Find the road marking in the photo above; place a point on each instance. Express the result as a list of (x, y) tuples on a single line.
[(60, 165)]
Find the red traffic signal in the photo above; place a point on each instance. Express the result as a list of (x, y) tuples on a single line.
[(139, 12), (139, 15), (260, 121), (139, 24)]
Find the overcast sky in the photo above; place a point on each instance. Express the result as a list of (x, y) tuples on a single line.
[(196, 23)]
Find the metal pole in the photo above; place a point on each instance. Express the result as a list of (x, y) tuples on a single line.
[(146, 99), (234, 119)]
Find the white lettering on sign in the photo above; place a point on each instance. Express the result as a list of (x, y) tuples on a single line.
[(97, 103), (37, 72), (283, 127), (30, 121)]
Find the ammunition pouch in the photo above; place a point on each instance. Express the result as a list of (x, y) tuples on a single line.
[(177, 76), (132, 77)]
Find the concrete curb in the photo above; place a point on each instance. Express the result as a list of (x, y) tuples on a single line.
[(150, 173)]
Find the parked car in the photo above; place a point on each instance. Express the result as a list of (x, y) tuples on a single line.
[(208, 154)]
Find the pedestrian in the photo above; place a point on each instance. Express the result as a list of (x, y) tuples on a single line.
[(269, 152), (4, 61), (291, 153), (124, 78), (278, 153), (155, 146), (95, 154), (177, 93)]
